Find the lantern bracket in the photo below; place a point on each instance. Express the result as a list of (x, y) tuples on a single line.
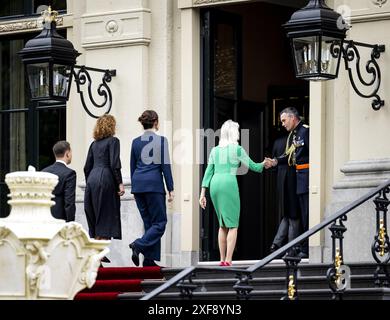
[(351, 53), (82, 77)]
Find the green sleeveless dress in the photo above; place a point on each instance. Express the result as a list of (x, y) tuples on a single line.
[(220, 178)]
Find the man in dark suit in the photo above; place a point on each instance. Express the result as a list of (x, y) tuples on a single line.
[(65, 190), (288, 207)]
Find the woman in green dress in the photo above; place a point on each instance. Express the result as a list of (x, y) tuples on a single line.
[(220, 177)]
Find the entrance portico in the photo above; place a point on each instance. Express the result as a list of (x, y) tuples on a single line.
[(194, 84)]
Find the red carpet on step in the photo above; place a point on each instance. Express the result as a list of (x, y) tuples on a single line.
[(112, 281)]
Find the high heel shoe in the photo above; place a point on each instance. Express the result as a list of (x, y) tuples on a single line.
[(228, 264), (222, 264)]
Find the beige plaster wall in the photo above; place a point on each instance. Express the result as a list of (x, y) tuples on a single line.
[(344, 126), (127, 51), (148, 58), (354, 131)]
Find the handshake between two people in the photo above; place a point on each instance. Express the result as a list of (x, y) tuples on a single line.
[(269, 163)]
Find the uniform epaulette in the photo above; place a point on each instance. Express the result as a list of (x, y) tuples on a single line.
[(306, 126)]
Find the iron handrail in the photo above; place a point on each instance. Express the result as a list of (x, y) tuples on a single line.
[(319, 227), (339, 214), (181, 275)]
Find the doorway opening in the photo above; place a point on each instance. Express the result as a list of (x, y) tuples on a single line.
[(247, 76)]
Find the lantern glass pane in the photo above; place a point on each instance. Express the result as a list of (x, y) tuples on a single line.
[(306, 55), (61, 78), (317, 57), (330, 55), (38, 78)]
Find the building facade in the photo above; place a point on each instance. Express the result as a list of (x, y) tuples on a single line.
[(199, 63)]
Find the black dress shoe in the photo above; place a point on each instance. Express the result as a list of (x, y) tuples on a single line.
[(105, 259), (273, 247), (303, 255), (149, 263), (135, 255)]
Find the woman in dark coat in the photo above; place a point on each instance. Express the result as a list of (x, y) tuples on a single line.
[(149, 163), (104, 182)]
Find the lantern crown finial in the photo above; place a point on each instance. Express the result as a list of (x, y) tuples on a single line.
[(317, 4), (49, 15)]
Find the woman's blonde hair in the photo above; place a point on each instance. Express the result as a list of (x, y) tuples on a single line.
[(229, 133), (105, 127)]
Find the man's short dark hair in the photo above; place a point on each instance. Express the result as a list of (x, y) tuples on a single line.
[(291, 111), (60, 148)]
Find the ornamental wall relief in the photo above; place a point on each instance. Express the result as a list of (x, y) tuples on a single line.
[(379, 3), (25, 25)]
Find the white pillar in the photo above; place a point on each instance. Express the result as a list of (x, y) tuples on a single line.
[(317, 166), (190, 120)]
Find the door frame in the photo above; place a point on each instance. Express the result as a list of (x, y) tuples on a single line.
[(190, 107), (209, 19)]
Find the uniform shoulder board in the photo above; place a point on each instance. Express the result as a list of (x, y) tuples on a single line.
[(306, 126)]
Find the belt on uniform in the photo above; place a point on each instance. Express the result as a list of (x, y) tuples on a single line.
[(302, 166)]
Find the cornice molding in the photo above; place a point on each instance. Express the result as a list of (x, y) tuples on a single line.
[(366, 10), (118, 12), (197, 3), (116, 44), (25, 25), (203, 3), (200, 2), (364, 174), (370, 17)]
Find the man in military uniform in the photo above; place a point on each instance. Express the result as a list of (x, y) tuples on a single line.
[(287, 200), (297, 155)]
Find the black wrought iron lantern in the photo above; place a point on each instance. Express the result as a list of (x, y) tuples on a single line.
[(317, 34), (317, 37), (49, 60)]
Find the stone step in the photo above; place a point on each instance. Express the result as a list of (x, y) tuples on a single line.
[(268, 283), (304, 294), (274, 270), (271, 283)]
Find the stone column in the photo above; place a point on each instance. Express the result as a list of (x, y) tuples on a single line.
[(360, 176)]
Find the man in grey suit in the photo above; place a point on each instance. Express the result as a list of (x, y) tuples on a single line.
[(65, 190)]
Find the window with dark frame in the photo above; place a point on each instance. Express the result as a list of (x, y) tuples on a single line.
[(16, 9), (23, 124)]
